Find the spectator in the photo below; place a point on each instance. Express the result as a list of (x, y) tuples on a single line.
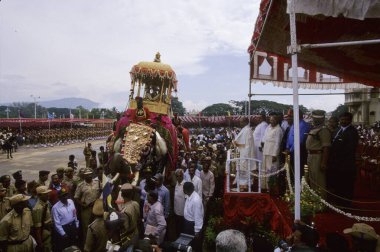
[(342, 161), (163, 194), (66, 224), (194, 179), (270, 148), (208, 181), (231, 240), (179, 201), (364, 237), (304, 238), (155, 223), (193, 215)]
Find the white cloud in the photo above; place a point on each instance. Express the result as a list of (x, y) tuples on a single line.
[(91, 45), (195, 105)]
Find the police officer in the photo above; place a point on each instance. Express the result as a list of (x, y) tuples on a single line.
[(131, 209), (97, 236), (43, 179), (15, 226), (87, 154), (318, 143), (42, 220), (85, 195), (5, 204), (10, 188)]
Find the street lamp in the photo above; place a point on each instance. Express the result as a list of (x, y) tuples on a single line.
[(35, 105), (7, 111), (103, 118)]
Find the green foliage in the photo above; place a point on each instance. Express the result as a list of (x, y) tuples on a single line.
[(339, 110), (258, 106), (177, 106), (219, 109), (310, 204)]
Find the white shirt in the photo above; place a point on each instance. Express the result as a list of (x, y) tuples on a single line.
[(272, 140), (186, 175), (194, 211), (197, 182), (179, 199), (247, 150), (208, 183), (258, 134), (64, 214)]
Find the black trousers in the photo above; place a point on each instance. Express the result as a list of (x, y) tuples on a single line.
[(188, 228)]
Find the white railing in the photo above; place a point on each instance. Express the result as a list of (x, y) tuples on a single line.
[(233, 157)]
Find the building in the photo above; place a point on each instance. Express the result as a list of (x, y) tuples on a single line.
[(364, 104)]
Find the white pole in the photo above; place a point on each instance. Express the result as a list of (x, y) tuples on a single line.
[(297, 177), (19, 118)]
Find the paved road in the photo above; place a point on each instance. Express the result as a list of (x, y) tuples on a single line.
[(31, 160)]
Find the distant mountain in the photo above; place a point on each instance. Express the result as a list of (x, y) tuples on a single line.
[(69, 103)]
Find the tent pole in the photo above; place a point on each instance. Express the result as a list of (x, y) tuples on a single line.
[(348, 43), (297, 177)]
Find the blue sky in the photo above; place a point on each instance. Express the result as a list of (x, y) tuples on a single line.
[(56, 49)]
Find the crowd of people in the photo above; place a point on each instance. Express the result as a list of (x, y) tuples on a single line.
[(72, 210), (327, 147)]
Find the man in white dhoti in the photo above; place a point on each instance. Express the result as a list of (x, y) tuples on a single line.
[(271, 149), (258, 135), (244, 141)]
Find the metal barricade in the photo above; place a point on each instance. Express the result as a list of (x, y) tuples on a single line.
[(234, 159)]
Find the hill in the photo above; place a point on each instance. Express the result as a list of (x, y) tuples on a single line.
[(70, 103)]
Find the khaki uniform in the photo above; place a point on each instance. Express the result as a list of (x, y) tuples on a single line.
[(132, 210), (86, 194), (42, 219), (11, 190), (317, 139), (97, 236), (5, 207), (43, 183), (87, 155), (15, 229)]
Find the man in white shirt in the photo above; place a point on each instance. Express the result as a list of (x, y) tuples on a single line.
[(179, 201), (197, 182), (245, 142), (271, 149), (193, 215), (258, 135), (208, 181), (66, 224)]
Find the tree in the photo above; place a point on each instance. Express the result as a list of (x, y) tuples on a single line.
[(259, 106), (177, 106), (339, 110), (219, 109)]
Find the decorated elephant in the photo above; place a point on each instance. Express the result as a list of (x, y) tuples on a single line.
[(144, 134)]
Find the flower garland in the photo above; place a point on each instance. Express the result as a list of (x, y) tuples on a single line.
[(288, 178), (349, 215), (270, 174)]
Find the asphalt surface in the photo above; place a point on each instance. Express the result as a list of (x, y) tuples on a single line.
[(31, 160)]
